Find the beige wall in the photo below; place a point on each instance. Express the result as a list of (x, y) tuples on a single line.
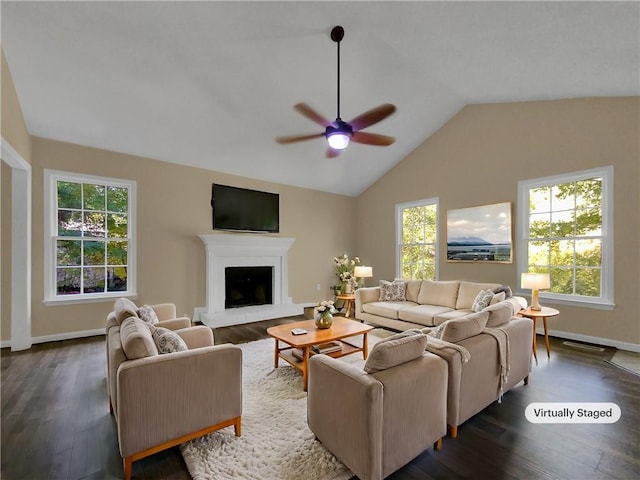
[(14, 131), (479, 156), (173, 209), (13, 127)]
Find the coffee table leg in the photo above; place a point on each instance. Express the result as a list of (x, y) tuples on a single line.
[(276, 356), (365, 346), (305, 367)]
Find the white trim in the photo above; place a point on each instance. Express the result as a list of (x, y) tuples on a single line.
[(57, 337), (50, 225), (607, 342), (229, 250), (606, 299), (418, 203), (21, 212)]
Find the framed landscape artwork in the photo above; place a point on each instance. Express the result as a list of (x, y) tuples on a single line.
[(480, 234)]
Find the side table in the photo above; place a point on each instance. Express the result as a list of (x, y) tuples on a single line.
[(349, 301), (534, 315)]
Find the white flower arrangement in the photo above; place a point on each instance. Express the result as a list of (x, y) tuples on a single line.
[(325, 306), (344, 269)]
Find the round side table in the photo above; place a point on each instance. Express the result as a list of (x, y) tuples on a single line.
[(534, 315), (349, 300)]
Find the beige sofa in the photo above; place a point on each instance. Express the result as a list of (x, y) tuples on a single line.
[(377, 420), (162, 400), (427, 303)]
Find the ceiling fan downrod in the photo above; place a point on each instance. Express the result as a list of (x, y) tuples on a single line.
[(339, 133)]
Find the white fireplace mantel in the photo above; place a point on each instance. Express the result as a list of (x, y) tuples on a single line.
[(244, 250)]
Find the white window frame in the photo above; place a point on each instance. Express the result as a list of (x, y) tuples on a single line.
[(51, 177), (417, 203), (606, 298)]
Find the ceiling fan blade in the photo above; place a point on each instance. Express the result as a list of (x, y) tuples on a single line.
[(372, 139), (372, 116), (311, 114), (298, 138), (331, 153)]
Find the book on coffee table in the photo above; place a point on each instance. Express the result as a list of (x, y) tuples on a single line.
[(328, 347)]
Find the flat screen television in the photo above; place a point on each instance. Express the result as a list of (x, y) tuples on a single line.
[(241, 209)]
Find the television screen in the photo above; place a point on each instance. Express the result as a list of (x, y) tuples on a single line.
[(245, 210)]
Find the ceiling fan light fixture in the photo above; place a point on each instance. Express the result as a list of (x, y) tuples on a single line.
[(338, 140), (339, 135)]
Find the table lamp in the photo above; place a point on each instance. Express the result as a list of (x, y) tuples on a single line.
[(363, 272), (536, 282)]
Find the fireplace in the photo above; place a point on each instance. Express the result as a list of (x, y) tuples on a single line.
[(246, 286), (238, 300)]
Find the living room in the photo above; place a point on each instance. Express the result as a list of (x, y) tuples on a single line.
[(476, 156)]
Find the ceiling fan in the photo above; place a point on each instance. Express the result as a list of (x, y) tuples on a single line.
[(340, 133)]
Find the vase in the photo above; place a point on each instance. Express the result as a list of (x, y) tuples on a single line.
[(324, 320), (348, 288)]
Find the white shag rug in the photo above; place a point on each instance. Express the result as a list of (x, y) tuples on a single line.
[(276, 443)]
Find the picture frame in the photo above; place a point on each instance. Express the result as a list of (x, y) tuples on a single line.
[(480, 234)]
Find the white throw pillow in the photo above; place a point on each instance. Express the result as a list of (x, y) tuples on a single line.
[(482, 300), (167, 341), (148, 314), (392, 291)]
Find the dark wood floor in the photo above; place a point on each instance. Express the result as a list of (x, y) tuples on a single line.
[(56, 422)]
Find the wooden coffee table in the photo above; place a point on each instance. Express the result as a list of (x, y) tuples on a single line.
[(341, 329)]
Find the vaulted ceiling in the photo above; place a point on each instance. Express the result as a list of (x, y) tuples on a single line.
[(211, 84)]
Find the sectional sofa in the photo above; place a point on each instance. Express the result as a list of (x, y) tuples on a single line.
[(488, 352)]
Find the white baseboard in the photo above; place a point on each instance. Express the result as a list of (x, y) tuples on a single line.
[(607, 342), (57, 337)]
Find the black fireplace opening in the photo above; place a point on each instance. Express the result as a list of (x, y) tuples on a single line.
[(248, 286)]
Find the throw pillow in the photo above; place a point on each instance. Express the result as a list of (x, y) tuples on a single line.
[(148, 314), (506, 289), (497, 298), (458, 329), (167, 341), (499, 314), (392, 291), (482, 300), (396, 350), (136, 339), (124, 308)]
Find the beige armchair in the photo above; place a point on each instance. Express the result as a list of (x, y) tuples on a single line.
[(377, 422), (162, 400)]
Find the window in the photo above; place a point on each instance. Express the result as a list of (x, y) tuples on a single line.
[(567, 232), (417, 240), (90, 242)]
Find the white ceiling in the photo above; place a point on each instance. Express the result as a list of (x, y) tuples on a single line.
[(211, 84)]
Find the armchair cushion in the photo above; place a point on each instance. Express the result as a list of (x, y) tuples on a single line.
[(396, 350), (167, 341), (148, 314), (124, 308), (136, 339)]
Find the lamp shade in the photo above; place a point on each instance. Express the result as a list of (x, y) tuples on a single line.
[(536, 281), (363, 272)]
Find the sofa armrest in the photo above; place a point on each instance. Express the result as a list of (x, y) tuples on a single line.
[(351, 427), (175, 323), (196, 336), (366, 295), (164, 397)]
